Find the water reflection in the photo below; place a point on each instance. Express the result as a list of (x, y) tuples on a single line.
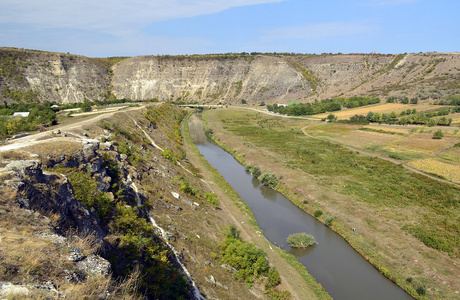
[(300, 252)]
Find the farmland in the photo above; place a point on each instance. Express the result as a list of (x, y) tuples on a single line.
[(380, 108)]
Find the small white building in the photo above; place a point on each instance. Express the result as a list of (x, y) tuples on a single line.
[(22, 114)]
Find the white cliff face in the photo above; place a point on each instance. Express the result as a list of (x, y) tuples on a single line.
[(58, 77), (208, 81), (213, 79)]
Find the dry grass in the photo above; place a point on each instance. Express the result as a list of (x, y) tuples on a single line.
[(430, 165), (56, 148), (31, 255), (13, 155), (380, 108)]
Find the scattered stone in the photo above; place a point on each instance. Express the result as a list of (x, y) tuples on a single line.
[(229, 268), (221, 285), (76, 256), (175, 195), (94, 264), (12, 290), (208, 263), (74, 277)]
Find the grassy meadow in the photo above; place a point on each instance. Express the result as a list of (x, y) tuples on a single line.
[(402, 214)]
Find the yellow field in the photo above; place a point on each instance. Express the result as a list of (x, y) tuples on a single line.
[(448, 171), (455, 118), (380, 108)]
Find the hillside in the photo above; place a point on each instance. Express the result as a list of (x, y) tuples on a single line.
[(29, 76), (110, 206)]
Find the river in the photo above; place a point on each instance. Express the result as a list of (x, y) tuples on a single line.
[(342, 271)]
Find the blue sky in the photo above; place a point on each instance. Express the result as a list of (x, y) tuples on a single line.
[(102, 28)]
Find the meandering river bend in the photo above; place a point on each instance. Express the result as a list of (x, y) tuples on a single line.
[(343, 272)]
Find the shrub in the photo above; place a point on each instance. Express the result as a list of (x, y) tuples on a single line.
[(329, 220), (318, 213), (438, 135), (421, 290), (186, 188), (209, 131), (273, 277), (301, 240), (211, 198), (232, 232), (256, 171), (245, 257), (269, 179)]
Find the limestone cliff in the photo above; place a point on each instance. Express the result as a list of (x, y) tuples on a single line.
[(28, 76), (208, 81)]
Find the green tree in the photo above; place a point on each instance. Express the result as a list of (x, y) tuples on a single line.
[(85, 107), (438, 135), (269, 179), (331, 118), (256, 171)]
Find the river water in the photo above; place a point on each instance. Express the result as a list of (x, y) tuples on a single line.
[(342, 272)]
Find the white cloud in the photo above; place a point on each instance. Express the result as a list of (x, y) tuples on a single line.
[(108, 16), (317, 31)]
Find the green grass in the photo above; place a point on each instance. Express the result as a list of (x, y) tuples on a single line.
[(380, 131)]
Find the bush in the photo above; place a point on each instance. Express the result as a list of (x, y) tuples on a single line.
[(245, 257), (318, 213), (273, 277), (211, 198), (256, 171), (301, 240), (269, 179), (421, 290), (329, 220), (438, 135)]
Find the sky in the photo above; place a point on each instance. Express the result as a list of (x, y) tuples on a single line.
[(103, 28)]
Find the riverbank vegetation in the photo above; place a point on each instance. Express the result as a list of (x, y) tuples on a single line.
[(419, 206)]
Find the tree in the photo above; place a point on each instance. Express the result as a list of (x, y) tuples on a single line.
[(256, 171), (85, 107), (269, 179), (243, 101), (331, 118), (438, 135)]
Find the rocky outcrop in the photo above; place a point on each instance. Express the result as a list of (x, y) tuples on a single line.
[(50, 194)]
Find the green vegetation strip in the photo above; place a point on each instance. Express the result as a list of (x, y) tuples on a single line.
[(380, 131)]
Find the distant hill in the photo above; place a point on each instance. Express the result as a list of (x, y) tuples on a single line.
[(38, 76)]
